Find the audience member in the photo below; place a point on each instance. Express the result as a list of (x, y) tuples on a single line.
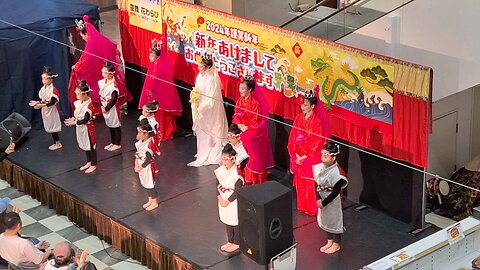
[(19, 251), (10, 149)]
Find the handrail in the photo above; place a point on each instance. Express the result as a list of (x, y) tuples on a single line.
[(402, 5), (303, 13), (329, 16)]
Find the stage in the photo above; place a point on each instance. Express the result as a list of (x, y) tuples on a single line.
[(184, 232)]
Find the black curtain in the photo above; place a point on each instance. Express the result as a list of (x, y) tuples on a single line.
[(22, 63)]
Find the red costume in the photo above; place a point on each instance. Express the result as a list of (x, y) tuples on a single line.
[(159, 86), (306, 144), (89, 67), (255, 138)]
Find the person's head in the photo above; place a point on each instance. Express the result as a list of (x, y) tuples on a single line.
[(47, 76), (62, 254), (82, 28), (206, 63), (150, 108), (83, 91), (234, 134), (329, 153), (155, 50), (247, 86), (108, 70), (12, 222), (144, 130), (309, 102), (228, 156)]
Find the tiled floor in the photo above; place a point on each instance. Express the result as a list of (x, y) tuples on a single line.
[(41, 222)]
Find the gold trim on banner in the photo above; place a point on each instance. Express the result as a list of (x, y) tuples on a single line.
[(409, 78)]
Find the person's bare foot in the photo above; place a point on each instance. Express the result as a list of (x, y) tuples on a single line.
[(332, 249), (232, 248), (327, 245), (153, 205), (86, 166), (224, 247), (91, 169), (147, 204)]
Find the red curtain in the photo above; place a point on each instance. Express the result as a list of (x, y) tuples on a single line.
[(405, 139)]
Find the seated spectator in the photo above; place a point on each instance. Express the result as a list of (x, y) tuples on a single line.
[(10, 149), (5, 207), (19, 251), (62, 257)]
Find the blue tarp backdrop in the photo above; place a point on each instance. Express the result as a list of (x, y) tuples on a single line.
[(23, 53)]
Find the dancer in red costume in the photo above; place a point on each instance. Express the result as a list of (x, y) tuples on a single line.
[(159, 86), (89, 66), (250, 110), (305, 149)]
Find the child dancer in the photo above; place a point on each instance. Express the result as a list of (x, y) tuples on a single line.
[(228, 183), (49, 97), (149, 111), (110, 106), (145, 164), (82, 118), (241, 158), (329, 183)]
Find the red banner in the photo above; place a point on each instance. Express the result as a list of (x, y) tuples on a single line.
[(404, 139)]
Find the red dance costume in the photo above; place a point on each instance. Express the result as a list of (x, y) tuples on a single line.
[(306, 144), (161, 88), (255, 138), (89, 67)]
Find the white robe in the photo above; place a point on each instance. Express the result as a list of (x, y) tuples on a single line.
[(83, 138), (210, 121), (112, 117), (330, 218), (227, 179), (146, 174), (50, 116), (241, 153)]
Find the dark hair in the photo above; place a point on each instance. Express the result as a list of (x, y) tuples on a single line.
[(11, 219), (110, 67), (83, 86), (234, 129), (250, 84), (145, 125), (207, 62), (228, 150), (48, 71), (156, 50), (331, 147), (152, 106), (312, 100)]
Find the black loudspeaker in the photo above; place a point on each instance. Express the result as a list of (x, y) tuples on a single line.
[(12, 129), (265, 220)]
